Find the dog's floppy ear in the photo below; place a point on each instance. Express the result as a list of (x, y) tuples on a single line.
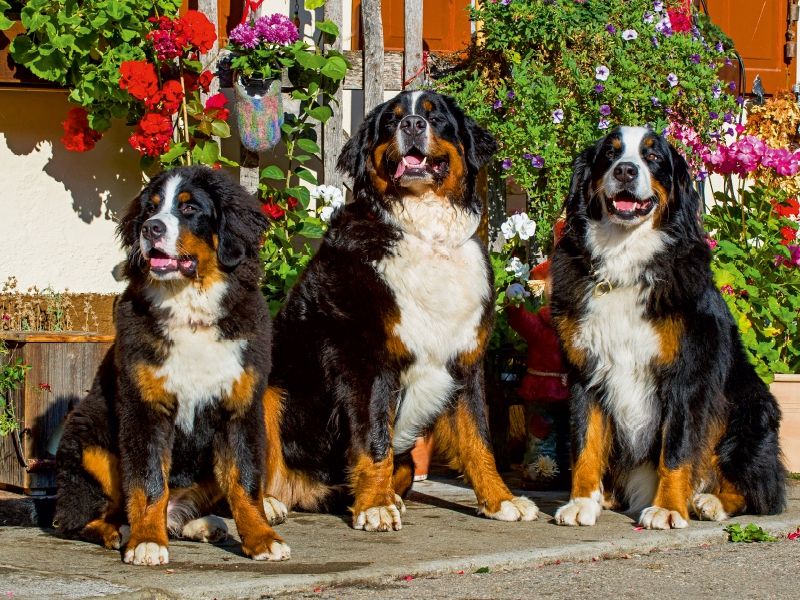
[(241, 222), (581, 174), (481, 146), (130, 222), (353, 159), (683, 190)]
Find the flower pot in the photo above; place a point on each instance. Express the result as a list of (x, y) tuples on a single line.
[(259, 112), (63, 366), (786, 389), (225, 72), (421, 454)]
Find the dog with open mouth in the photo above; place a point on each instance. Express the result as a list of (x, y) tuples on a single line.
[(668, 414), (173, 423), (382, 338)]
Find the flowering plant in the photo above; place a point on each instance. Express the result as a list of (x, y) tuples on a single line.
[(128, 59), (552, 77), (263, 45)]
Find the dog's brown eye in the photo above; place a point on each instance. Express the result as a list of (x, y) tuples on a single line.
[(187, 209), (652, 157), (610, 154)]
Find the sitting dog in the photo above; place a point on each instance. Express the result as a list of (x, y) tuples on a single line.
[(667, 410), (382, 337), (172, 422)]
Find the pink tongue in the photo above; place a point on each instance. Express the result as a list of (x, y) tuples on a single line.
[(401, 168), (625, 205), (187, 264), (163, 263), (413, 160)]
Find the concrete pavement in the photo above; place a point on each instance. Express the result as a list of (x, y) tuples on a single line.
[(440, 535)]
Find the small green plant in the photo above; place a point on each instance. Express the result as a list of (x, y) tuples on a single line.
[(12, 376), (751, 533)]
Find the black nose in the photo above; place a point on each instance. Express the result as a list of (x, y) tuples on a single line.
[(413, 124), (625, 172), (153, 229)]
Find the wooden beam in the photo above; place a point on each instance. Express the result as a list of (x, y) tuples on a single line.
[(413, 44), (332, 134), (210, 9), (372, 26)]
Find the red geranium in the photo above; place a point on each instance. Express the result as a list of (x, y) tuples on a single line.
[(193, 80), (215, 107), (78, 136), (789, 235), (169, 98), (200, 33), (273, 210), (169, 39), (680, 22), (792, 210), (139, 78), (292, 203), (153, 135)]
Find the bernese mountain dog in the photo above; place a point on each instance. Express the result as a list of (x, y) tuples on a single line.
[(383, 336), (174, 420), (668, 413)]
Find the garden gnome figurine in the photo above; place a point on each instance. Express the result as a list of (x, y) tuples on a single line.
[(546, 392)]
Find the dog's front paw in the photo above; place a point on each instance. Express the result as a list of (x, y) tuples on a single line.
[(275, 510), (205, 529), (656, 517), (378, 518), (579, 511), (709, 508), (519, 508), (274, 550), (147, 553)]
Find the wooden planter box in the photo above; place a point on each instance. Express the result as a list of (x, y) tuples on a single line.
[(787, 390), (63, 366)]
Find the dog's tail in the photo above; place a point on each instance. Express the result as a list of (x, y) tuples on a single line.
[(749, 451)]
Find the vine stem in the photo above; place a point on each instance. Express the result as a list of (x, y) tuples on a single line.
[(185, 118)]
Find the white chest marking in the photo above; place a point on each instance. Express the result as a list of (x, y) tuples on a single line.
[(201, 367), (615, 332), (440, 285)]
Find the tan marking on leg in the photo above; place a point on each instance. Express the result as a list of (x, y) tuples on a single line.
[(670, 333), (458, 438), (674, 488), (371, 482), (103, 532), (148, 519), (104, 467), (568, 334), (151, 388), (403, 478), (240, 397), (592, 462)]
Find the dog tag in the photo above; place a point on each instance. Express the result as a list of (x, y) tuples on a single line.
[(602, 288)]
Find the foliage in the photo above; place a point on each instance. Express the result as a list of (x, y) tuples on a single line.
[(552, 77), (12, 375), (263, 46), (133, 60), (751, 533), (318, 73)]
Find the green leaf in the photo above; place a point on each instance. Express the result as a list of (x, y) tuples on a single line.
[(174, 152), (145, 162), (328, 26), (312, 4), (483, 570), (4, 22), (220, 128), (308, 146), (311, 61), (272, 172), (63, 41), (320, 113), (336, 68), (305, 175)]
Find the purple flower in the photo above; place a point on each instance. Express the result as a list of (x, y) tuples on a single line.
[(654, 100), (712, 115), (702, 175), (732, 86), (505, 2), (726, 289), (728, 117), (245, 36), (668, 110), (719, 47), (630, 34), (611, 29), (740, 100), (511, 95), (672, 79), (601, 72), (603, 124), (506, 164), (599, 88), (537, 162), (654, 41), (605, 110), (712, 65), (658, 6), (276, 29), (728, 62), (695, 58), (558, 116), (648, 17), (716, 91), (527, 156), (498, 104)]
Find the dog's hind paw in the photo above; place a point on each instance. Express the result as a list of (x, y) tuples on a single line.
[(275, 509), (401, 506), (276, 551), (579, 511), (656, 517), (708, 507), (519, 508), (378, 518), (147, 553), (205, 529)]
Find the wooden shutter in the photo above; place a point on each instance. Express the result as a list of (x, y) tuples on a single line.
[(758, 28)]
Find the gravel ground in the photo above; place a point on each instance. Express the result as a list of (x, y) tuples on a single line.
[(729, 571)]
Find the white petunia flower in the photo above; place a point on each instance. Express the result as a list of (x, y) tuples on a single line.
[(326, 213), (630, 34), (601, 72), (518, 224), (328, 195), (521, 270)]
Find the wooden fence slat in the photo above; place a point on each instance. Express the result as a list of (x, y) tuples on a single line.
[(372, 26), (413, 43), (332, 136)]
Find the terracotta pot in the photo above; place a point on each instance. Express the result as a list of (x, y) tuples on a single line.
[(787, 390), (422, 455)]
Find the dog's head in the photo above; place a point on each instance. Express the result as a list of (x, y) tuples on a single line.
[(417, 143), (191, 223), (630, 177)]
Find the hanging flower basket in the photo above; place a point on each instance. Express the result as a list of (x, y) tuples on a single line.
[(259, 112)]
